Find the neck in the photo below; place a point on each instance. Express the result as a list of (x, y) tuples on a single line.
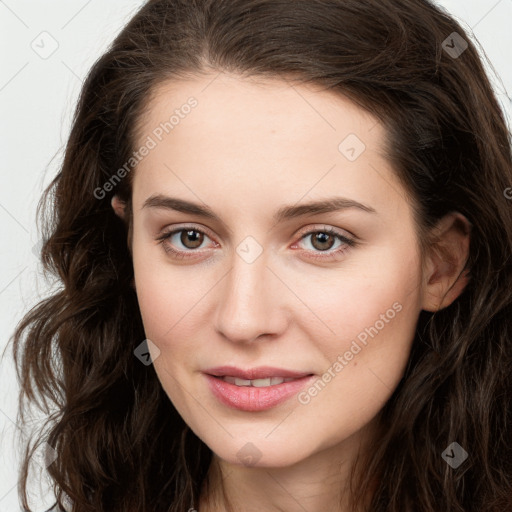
[(317, 483)]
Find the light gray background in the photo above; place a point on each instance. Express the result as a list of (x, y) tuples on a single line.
[(37, 97)]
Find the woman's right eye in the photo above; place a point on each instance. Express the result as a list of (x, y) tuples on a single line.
[(190, 238)]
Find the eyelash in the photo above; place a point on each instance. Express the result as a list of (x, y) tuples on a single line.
[(330, 255)]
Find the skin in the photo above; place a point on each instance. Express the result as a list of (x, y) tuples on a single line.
[(247, 149)]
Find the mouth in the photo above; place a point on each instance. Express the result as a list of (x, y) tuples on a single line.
[(258, 393)]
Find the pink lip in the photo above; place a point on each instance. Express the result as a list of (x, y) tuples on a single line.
[(261, 372), (253, 399)]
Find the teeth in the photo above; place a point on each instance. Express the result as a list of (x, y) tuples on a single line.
[(257, 383)]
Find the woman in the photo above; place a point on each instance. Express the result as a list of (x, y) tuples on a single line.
[(284, 239)]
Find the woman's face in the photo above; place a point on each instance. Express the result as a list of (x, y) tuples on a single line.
[(265, 279)]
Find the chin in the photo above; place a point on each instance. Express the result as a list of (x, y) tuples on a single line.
[(260, 454)]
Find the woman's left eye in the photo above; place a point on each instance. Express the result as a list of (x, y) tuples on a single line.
[(326, 236), (192, 238)]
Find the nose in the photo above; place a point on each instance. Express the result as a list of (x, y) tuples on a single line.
[(250, 302)]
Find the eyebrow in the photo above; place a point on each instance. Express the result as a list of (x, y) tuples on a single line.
[(328, 205)]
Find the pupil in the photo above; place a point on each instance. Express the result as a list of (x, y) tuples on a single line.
[(322, 239), (191, 236)]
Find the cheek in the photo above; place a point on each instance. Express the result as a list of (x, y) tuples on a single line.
[(365, 361), (169, 300), (155, 302), (382, 288), (370, 320), (170, 310)]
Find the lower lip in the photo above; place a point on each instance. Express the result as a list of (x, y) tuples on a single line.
[(252, 399)]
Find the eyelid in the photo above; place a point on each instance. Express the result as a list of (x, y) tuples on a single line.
[(178, 227), (326, 228)]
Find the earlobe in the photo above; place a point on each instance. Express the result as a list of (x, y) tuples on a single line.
[(119, 207), (446, 276)]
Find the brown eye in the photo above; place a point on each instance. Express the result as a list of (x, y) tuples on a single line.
[(322, 241), (191, 238), (182, 242)]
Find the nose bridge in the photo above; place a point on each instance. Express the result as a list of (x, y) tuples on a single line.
[(247, 305)]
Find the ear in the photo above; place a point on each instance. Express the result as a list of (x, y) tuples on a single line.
[(445, 276), (119, 207)]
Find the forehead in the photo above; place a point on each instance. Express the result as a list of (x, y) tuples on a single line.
[(270, 135), (264, 106)]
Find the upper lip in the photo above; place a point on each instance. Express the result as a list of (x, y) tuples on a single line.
[(261, 372)]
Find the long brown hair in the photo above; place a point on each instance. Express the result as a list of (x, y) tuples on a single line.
[(120, 443)]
